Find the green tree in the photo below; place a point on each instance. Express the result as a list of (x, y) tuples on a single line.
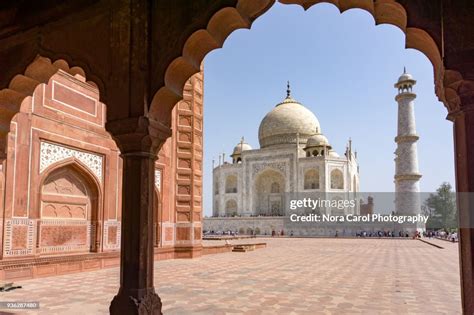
[(441, 208)]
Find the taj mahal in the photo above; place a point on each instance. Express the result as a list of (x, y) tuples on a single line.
[(294, 157), (252, 194)]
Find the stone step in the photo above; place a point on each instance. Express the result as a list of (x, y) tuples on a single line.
[(243, 248)]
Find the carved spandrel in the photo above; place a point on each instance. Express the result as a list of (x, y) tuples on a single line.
[(51, 153)]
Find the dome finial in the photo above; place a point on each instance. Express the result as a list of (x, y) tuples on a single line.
[(288, 91), (404, 70)]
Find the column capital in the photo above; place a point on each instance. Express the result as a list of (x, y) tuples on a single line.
[(458, 94), (138, 135), (460, 110)]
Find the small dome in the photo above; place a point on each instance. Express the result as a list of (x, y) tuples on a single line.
[(317, 140), (333, 153), (240, 147), (284, 122), (405, 77)]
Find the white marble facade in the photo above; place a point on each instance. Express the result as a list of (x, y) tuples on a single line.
[(294, 160)]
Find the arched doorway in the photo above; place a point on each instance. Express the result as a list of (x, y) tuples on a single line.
[(69, 204), (230, 208), (268, 193), (337, 179)]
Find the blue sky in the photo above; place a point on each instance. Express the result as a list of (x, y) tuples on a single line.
[(340, 66)]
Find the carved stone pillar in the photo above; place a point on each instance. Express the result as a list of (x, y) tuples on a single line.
[(464, 162), (461, 113), (139, 140)]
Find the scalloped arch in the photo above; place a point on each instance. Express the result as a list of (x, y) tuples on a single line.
[(201, 42), (22, 87), (229, 19)]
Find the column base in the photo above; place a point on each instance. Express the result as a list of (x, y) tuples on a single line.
[(126, 303)]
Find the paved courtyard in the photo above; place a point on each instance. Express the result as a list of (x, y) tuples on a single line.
[(290, 276)]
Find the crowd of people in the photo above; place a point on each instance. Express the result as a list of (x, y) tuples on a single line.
[(382, 234), (444, 235), (231, 233), (449, 236)]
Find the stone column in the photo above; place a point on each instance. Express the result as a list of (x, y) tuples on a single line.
[(463, 128), (139, 140)]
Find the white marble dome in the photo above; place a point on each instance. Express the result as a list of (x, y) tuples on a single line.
[(317, 140), (240, 147), (282, 124), (405, 77)]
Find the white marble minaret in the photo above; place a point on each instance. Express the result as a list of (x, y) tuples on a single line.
[(407, 175)]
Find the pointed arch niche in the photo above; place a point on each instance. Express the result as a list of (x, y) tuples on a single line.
[(70, 202)]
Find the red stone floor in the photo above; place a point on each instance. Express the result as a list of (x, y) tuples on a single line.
[(290, 276)]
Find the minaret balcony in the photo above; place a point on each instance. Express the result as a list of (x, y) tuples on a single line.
[(403, 95), (406, 138), (412, 176)]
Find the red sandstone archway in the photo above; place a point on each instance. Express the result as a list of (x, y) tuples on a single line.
[(229, 19), (448, 83), (70, 202), (451, 88)]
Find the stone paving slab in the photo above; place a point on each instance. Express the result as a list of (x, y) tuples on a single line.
[(290, 276)]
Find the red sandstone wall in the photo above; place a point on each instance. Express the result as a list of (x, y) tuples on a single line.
[(165, 210), (66, 115), (189, 154), (180, 161)]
